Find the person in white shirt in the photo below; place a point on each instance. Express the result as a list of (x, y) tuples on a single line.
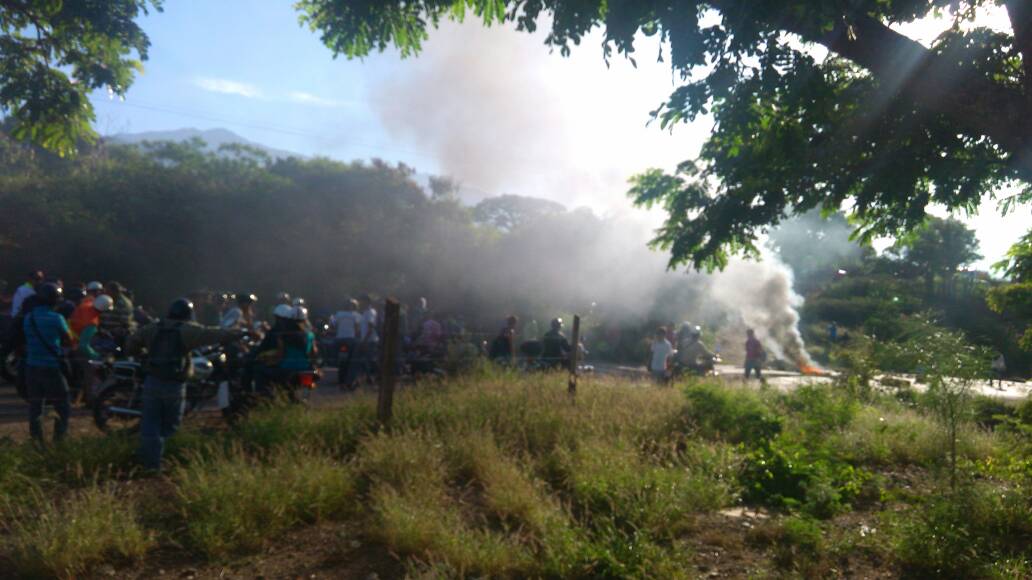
[(368, 325), (348, 327), (368, 340), (24, 291), (660, 355)]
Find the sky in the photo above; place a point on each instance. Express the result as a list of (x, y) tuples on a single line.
[(491, 107)]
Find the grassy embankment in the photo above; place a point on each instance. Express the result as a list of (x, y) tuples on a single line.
[(500, 475)]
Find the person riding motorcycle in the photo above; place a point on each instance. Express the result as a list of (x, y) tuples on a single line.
[(84, 328), (555, 349), (692, 354), (288, 348)]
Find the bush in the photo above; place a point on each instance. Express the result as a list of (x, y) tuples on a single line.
[(734, 415), (231, 503), (69, 538), (963, 534), (989, 412), (789, 476)]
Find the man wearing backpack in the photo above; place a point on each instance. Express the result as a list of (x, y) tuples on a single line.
[(46, 333), (169, 365)]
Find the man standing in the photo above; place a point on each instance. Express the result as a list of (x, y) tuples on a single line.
[(369, 337), (754, 354), (46, 333), (25, 290), (660, 352), (168, 343), (348, 325)]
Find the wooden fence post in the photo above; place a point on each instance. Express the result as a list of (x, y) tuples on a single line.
[(388, 361), (574, 355)]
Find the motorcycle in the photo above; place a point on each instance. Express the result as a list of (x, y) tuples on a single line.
[(118, 403), (704, 367)]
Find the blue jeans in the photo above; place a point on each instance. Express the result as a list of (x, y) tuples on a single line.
[(162, 413), (47, 385)]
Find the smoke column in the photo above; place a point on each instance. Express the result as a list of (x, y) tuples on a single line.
[(501, 115), (760, 295)]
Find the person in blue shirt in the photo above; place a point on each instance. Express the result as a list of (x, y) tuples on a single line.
[(46, 333)]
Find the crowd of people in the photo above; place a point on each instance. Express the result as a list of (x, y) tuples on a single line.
[(672, 354), (61, 331)]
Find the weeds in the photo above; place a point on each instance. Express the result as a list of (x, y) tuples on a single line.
[(233, 503), (69, 538)]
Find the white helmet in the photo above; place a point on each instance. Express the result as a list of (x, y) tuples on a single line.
[(103, 303), (94, 287), (283, 298), (299, 301), (299, 313), (283, 311)]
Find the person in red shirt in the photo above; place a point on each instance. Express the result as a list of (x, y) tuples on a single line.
[(754, 354)]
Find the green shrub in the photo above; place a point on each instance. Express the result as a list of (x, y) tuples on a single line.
[(790, 476), (799, 545), (988, 412), (731, 414), (963, 534), (820, 409), (68, 538), (232, 503)]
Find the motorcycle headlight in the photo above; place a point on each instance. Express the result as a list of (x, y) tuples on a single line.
[(221, 358)]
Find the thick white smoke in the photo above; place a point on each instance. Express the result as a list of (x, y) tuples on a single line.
[(760, 296), (501, 115)]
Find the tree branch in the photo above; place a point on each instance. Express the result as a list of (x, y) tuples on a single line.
[(905, 68), (1020, 14)]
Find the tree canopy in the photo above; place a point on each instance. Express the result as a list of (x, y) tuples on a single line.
[(883, 122), (53, 53), (937, 248), (508, 212)]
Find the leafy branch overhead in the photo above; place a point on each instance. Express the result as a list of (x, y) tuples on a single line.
[(53, 53), (883, 122)]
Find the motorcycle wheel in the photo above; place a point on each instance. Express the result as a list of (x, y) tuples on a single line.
[(119, 394)]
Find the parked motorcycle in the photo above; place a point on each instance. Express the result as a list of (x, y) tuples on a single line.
[(118, 403)]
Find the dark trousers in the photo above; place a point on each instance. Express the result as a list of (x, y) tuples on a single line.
[(162, 414), (47, 386), (753, 365), (344, 366)]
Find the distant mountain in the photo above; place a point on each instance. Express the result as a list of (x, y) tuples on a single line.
[(215, 138)]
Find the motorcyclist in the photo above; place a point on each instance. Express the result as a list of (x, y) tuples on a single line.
[(169, 365), (555, 349), (84, 329), (692, 354), (240, 315), (287, 349), (503, 347)]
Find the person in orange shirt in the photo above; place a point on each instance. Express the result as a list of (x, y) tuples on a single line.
[(84, 324)]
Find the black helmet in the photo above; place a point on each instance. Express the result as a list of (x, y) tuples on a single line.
[(246, 298), (75, 294), (557, 323), (49, 294), (181, 309)]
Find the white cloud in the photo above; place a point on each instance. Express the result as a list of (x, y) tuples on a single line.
[(304, 98), (228, 87)]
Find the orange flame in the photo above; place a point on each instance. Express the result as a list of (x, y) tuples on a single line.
[(810, 370)]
